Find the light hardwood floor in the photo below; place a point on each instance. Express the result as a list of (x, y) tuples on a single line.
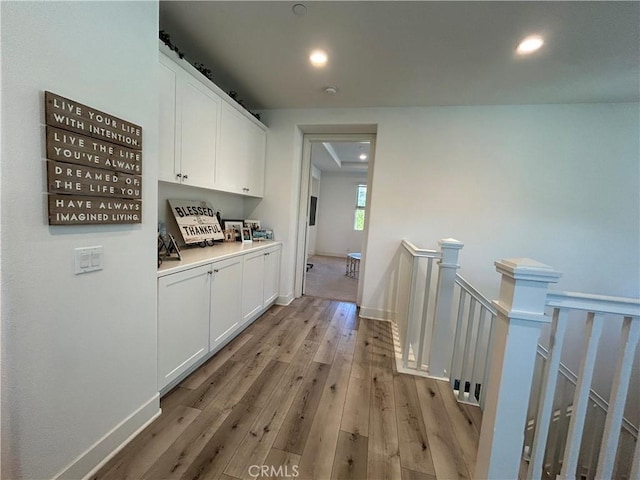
[(308, 391)]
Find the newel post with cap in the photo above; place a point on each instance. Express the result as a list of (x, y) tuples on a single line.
[(520, 318), (444, 329)]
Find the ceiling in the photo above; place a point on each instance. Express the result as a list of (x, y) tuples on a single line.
[(340, 157), (417, 53)]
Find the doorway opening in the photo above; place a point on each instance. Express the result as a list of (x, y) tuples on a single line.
[(335, 194)]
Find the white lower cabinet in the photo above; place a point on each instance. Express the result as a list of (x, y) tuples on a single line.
[(261, 281), (252, 285), (183, 322), (226, 305), (203, 308)]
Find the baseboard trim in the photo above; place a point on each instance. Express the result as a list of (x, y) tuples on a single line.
[(375, 314), (96, 456), (285, 300)]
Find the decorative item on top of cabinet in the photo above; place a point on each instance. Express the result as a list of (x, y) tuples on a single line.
[(247, 236), (196, 220), (252, 224), (235, 225)]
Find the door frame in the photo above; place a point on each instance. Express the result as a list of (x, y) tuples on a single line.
[(303, 203)]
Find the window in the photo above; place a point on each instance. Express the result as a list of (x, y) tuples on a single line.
[(361, 203)]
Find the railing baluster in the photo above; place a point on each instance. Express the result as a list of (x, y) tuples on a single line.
[(456, 366), (467, 343), (487, 363), (425, 315), (476, 355), (635, 465), (411, 311), (549, 380), (581, 398), (560, 436), (609, 447)]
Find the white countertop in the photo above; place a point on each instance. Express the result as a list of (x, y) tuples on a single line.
[(196, 256)]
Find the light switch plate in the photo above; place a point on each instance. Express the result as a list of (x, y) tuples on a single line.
[(88, 259)]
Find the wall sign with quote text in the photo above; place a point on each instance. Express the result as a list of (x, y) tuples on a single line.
[(94, 167)]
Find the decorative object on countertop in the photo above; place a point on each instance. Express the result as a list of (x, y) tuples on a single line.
[(259, 235), (229, 234), (166, 39), (167, 248), (234, 225), (246, 235), (197, 222), (252, 224)]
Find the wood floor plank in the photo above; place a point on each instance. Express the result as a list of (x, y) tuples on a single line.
[(411, 475), (154, 442), (212, 388), (215, 455), (234, 390), (415, 451), (350, 462), (348, 342), (257, 443), (382, 356), (319, 450), (175, 460), (361, 367), (298, 332), (198, 377), (383, 460), (355, 416), (465, 421), (333, 335), (285, 464), (295, 429), (448, 460)]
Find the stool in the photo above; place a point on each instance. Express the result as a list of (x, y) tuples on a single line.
[(353, 265)]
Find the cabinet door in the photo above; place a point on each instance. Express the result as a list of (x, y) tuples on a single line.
[(256, 147), (183, 322), (167, 169), (252, 285), (199, 130), (226, 300), (271, 275), (241, 154)]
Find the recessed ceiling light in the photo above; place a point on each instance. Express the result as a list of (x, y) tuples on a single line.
[(331, 90), (318, 58), (299, 9), (363, 156), (530, 44)]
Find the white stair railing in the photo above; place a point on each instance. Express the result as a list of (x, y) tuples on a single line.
[(475, 317), (423, 307), (575, 433), (576, 450), (535, 408)]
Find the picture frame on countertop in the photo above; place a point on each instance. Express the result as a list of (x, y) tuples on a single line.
[(246, 235), (229, 234), (252, 224), (259, 235), (236, 225)]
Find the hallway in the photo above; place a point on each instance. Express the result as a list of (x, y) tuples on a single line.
[(327, 279), (307, 391)]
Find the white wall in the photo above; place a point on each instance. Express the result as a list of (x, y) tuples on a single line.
[(557, 183), (79, 352), (336, 208)]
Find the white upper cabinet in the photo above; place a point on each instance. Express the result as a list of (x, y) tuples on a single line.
[(241, 154), (198, 129), (206, 139), (167, 132)]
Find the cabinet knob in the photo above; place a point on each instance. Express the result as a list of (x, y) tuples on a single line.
[(178, 175), (216, 270), (210, 272), (185, 177)]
